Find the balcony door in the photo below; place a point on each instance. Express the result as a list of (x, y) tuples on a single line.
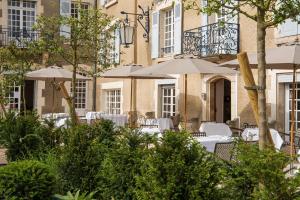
[(220, 100), (21, 18)]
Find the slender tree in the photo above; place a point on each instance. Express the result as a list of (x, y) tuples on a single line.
[(15, 62), (266, 14), (81, 45)]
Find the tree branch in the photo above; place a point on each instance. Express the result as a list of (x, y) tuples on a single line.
[(238, 9)]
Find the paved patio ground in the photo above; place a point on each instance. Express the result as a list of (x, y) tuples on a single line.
[(3, 160)]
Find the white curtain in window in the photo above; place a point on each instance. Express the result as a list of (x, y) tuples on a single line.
[(155, 35), (65, 11)]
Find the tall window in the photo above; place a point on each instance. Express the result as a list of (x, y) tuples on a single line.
[(168, 100), (81, 91), (21, 16), (289, 107), (75, 8), (80, 100), (169, 32), (113, 101), (13, 97)]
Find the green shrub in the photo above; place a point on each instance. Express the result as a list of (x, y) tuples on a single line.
[(179, 168), (267, 167), (81, 156), (24, 136), (117, 177), (26, 180), (77, 196)]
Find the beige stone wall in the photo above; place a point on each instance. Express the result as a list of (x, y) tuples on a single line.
[(198, 85)]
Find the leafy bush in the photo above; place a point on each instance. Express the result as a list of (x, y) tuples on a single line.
[(17, 134), (81, 156), (179, 168), (26, 180), (77, 196), (267, 167), (121, 166), (24, 136)]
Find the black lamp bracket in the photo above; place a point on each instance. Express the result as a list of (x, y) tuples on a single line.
[(142, 18)]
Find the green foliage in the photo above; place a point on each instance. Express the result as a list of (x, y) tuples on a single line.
[(26, 180), (81, 156), (254, 167), (19, 135), (77, 196), (179, 168), (117, 177)]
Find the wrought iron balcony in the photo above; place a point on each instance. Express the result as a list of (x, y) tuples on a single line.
[(20, 38), (211, 40)]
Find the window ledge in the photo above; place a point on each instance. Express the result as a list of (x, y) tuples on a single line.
[(107, 5)]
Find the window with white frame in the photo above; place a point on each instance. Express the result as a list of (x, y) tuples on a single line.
[(81, 93), (168, 100), (81, 90), (75, 7), (113, 101), (289, 97), (169, 31), (21, 16), (13, 97)]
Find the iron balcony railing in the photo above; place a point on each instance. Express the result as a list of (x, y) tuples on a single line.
[(20, 38), (211, 40)]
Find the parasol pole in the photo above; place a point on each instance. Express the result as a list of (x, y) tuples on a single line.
[(185, 100), (53, 97), (292, 130), (131, 101)]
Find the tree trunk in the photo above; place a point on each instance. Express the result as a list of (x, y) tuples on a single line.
[(264, 136), (95, 61), (74, 92)]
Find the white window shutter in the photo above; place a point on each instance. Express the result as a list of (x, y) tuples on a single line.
[(117, 46), (155, 35), (65, 11), (177, 27), (288, 28), (204, 16), (102, 2)]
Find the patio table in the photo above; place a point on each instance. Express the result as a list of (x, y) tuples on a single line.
[(209, 142), (55, 115), (162, 123), (213, 128), (252, 134), (92, 115)]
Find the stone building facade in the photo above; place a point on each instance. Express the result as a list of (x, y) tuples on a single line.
[(175, 31)]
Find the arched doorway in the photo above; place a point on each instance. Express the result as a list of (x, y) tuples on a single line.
[(220, 100)]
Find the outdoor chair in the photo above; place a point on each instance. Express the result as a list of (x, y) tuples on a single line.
[(199, 134), (149, 126), (224, 150), (247, 125), (150, 115), (176, 121), (286, 148)]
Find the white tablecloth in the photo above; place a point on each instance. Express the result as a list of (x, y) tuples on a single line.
[(210, 142), (151, 131), (55, 115), (162, 123), (212, 128), (61, 122), (92, 115), (252, 134)]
